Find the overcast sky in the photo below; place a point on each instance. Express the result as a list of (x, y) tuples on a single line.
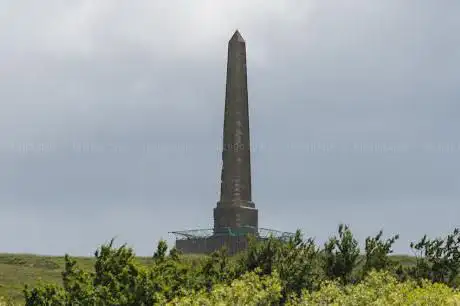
[(111, 118)]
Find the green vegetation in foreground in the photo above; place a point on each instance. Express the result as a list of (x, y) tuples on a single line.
[(18, 270), (272, 272)]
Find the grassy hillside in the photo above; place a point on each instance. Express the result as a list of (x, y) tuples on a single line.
[(16, 270)]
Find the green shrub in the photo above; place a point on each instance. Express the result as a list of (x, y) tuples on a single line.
[(269, 272), (295, 261), (379, 288), (117, 279), (250, 289), (376, 253), (4, 301), (341, 255), (438, 259)]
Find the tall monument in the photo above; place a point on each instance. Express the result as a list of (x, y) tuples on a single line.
[(235, 208), (235, 215)]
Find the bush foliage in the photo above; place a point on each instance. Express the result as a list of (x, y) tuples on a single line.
[(270, 272)]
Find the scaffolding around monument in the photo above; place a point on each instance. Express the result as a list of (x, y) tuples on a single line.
[(206, 241), (262, 233)]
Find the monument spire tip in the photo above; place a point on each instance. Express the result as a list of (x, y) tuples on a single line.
[(237, 37)]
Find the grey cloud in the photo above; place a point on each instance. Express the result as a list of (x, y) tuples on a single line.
[(127, 102)]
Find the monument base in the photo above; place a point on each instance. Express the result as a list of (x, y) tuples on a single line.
[(235, 217), (233, 244), (206, 242)]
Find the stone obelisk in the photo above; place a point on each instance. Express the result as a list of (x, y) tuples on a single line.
[(235, 211)]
